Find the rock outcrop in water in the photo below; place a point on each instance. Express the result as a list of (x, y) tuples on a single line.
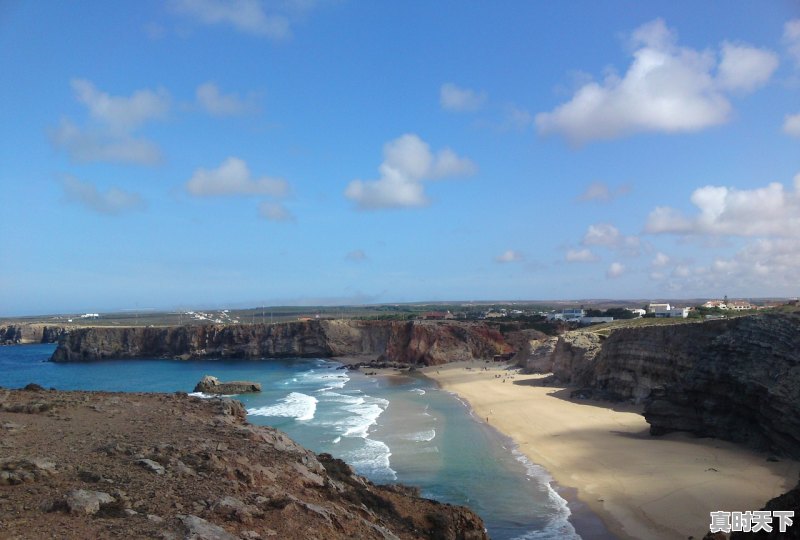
[(736, 379), (212, 385), (411, 342), (113, 465), (18, 334)]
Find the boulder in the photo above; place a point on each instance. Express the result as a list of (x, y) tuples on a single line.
[(85, 502), (212, 385), (198, 528)]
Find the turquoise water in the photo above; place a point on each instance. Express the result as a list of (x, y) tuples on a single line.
[(390, 429)]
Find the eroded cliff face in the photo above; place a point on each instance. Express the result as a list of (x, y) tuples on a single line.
[(737, 379), (412, 342), (19, 334)]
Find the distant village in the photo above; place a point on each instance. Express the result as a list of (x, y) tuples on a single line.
[(712, 309)]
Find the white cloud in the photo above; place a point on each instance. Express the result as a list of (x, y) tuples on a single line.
[(768, 221), (791, 125), (580, 255), (667, 88), (681, 271), (453, 98), (723, 211), (111, 201), (111, 134), (357, 255), (602, 192), (660, 260), (608, 236), (509, 256), (97, 145), (602, 234), (615, 270), (744, 67), (274, 211), (247, 16), (121, 114), (791, 37), (217, 104), (407, 163), (233, 177)]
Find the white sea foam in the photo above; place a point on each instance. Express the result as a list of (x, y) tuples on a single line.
[(295, 405), (340, 398), (372, 459), (419, 391), (364, 415), (326, 376), (421, 436), (559, 526), (209, 396)]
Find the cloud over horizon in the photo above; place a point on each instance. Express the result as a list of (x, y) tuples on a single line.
[(407, 163), (667, 88), (767, 219), (722, 211)]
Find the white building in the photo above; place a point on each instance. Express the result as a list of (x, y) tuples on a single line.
[(664, 311), (659, 310), (681, 312), (570, 314)]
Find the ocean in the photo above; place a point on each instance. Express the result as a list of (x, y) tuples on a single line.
[(389, 428)]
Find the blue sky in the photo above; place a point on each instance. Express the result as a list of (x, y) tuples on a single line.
[(228, 153)]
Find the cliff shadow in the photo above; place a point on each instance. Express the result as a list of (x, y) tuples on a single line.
[(567, 393)]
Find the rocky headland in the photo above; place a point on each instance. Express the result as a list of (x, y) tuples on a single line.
[(21, 334), (111, 465), (736, 379), (405, 342)]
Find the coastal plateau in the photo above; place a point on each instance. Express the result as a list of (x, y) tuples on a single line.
[(133, 465)]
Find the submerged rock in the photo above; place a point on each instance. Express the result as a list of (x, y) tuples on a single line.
[(212, 385)]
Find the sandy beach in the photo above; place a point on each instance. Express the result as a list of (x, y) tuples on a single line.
[(640, 486)]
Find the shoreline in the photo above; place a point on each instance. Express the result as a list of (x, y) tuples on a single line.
[(587, 523), (601, 455)]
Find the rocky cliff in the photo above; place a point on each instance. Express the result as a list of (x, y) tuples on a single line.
[(106, 465), (17, 334), (411, 342), (736, 379)]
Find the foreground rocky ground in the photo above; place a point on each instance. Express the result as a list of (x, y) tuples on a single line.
[(112, 465)]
